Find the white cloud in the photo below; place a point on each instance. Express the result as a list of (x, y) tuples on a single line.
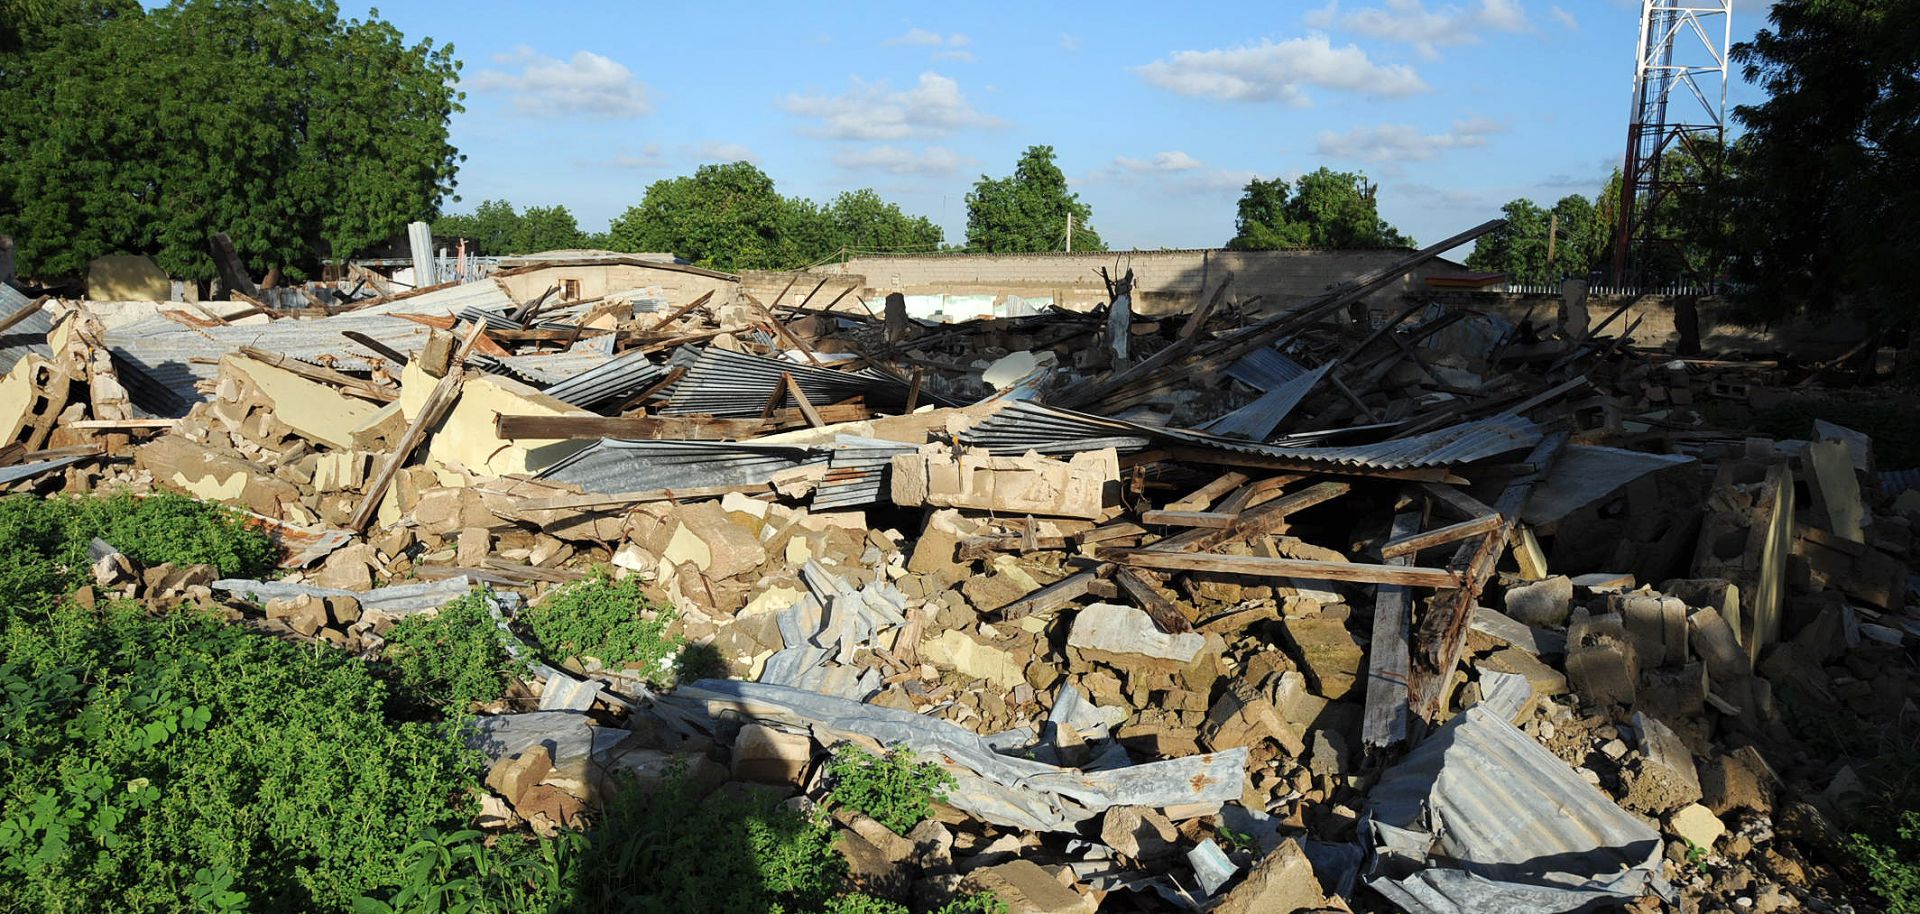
[(1409, 22), (586, 84), (1280, 71), (647, 159), (1161, 161), (947, 47), (1402, 143), (1173, 171), (933, 160), (1566, 19), (726, 152), (874, 111), (1069, 42)]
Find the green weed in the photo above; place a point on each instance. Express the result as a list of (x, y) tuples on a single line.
[(452, 659), (895, 790), (610, 621)]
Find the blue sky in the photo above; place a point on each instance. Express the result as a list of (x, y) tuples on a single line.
[(1159, 112)]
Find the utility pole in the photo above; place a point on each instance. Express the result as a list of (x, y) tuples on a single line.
[(1553, 233), (1069, 232)]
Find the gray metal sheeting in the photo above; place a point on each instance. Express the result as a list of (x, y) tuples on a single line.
[(614, 466), (163, 352), (1265, 369), (859, 472), (723, 383), (1257, 420), (612, 380), (1481, 818), (27, 337), (1021, 426)]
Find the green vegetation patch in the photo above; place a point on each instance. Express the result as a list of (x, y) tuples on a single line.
[(451, 659), (610, 621), (895, 790)]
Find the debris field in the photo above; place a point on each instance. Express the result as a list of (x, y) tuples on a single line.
[(1238, 610)]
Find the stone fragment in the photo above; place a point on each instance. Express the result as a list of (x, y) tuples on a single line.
[(1601, 664), (1084, 485), (343, 610), (1729, 782), (763, 755), (1244, 717), (960, 651), (513, 776), (1139, 833), (1328, 654), (1025, 888), (1281, 883), (1543, 603), (306, 613), (1127, 635), (869, 869), (731, 548), (1543, 677), (1663, 777), (548, 809), (1696, 825), (474, 545)]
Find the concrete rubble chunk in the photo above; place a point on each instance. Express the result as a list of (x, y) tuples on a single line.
[(1139, 833), (1084, 485), (764, 755), (1331, 658), (1544, 603), (1663, 777), (1696, 825), (513, 776), (1109, 630), (1281, 883), (965, 654), (1601, 662), (1025, 888)]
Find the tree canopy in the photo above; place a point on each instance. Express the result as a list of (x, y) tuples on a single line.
[(1825, 182), (494, 229), (1321, 209), (1028, 210), (1521, 248), (300, 134), (731, 217)]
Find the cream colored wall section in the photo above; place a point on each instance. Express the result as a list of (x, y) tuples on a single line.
[(466, 437)]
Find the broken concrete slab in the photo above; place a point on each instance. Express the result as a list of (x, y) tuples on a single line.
[(1543, 603), (961, 652), (1025, 888), (1086, 485), (1111, 633), (1281, 883), (1332, 660), (1663, 776)]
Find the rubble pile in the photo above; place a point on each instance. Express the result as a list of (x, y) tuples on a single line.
[(1235, 610)]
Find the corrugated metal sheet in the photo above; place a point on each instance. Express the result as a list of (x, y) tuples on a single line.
[(1021, 426), (611, 381), (28, 336), (614, 466), (723, 383), (1894, 482), (858, 472), (1256, 420), (1480, 817), (1265, 369), (166, 358)]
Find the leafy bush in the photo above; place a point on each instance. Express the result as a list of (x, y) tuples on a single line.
[(45, 541), (610, 621), (975, 903), (895, 790), (149, 759), (451, 659), (1890, 855)]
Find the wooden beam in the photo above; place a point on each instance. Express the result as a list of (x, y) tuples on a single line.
[(1259, 521), (1163, 611), (376, 347), (121, 424), (1199, 499), (1352, 572), (1412, 543), (780, 330), (33, 307), (800, 397), (321, 375), (1212, 519), (683, 310), (1049, 598), (1385, 720), (1443, 632), (438, 402), (1457, 502)]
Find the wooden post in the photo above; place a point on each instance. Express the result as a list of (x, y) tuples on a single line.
[(431, 412), (232, 270)]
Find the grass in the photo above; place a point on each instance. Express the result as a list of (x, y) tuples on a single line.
[(609, 621)]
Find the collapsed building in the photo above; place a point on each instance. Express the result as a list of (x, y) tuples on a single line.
[(1245, 606)]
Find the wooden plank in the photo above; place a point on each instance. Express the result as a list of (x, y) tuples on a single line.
[(780, 330), (321, 375), (1258, 521), (1211, 519), (376, 347), (1502, 627), (33, 307), (1164, 612), (1352, 572), (1049, 598), (1115, 531), (1413, 543), (98, 424), (594, 501), (800, 397), (1457, 502), (438, 402), (683, 310), (1199, 499), (1388, 658), (1528, 554), (1443, 633)]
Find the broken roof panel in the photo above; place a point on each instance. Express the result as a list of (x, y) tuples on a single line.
[(615, 379), (1020, 426), (723, 383), (1258, 419), (614, 465), (27, 337), (1482, 818)]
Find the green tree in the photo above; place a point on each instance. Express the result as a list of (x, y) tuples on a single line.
[(300, 134), (865, 222), (547, 228), (1028, 210), (1518, 248), (731, 217), (1826, 179), (1579, 238), (722, 216), (492, 229), (1322, 209)]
